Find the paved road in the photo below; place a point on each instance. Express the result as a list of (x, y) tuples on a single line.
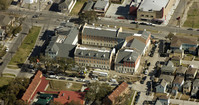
[(182, 102)]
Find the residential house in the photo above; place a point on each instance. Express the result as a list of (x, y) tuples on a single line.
[(187, 44), (89, 6), (168, 78), (161, 88), (191, 73), (168, 69), (181, 71), (119, 91), (177, 84), (2, 34), (64, 42), (101, 7), (95, 57), (162, 100), (5, 21), (187, 87), (195, 88), (66, 5), (177, 53), (65, 97), (37, 84), (176, 61), (127, 60)]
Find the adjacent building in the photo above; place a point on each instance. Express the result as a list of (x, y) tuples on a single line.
[(195, 88), (64, 42), (154, 10), (177, 84), (161, 88), (168, 69), (101, 6), (191, 73), (187, 87), (95, 57), (66, 5)]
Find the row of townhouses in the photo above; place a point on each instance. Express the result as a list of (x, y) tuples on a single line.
[(100, 47)]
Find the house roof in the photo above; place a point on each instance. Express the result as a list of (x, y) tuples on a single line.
[(153, 5), (65, 3), (196, 83), (66, 97), (93, 52), (89, 6), (187, 84), (126, 55), (169, 67), (101, 4), (181, 70), (177, 41), (5, 19), (191, 71), (163, 83), (37, 84), (137, 45), (118, 91), (178, 80), (102, 32), (167, 78), (176, 58), (164, 97)]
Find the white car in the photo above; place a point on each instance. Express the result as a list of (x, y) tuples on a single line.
[(7, 49)]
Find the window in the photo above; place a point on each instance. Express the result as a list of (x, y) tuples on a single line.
[(147, 15), (152, 16), (142, 15)]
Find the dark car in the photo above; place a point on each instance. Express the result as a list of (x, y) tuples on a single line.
[(144, 78), (62, 78), (134, 22), (142, 82), (70, 79), (189, 29), (113, 84), (143, 23)]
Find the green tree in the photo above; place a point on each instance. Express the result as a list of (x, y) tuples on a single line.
[(88, 16), (170, 36), (17, 30)]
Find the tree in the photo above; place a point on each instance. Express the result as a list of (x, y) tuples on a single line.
[(88, 17), (170, 36), (17, 30)]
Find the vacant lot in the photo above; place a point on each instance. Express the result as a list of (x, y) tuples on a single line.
[(25, 48), (78, 6), (63, 85), (193, 16), (4, 81)]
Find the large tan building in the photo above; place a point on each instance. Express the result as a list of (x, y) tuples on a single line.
[(154, 10), (95, 57)]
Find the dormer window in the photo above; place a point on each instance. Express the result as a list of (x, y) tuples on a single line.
[(129, 58), (103, 56)]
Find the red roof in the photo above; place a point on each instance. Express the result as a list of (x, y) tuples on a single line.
[(66, 97), (38, 84), (118, 91)]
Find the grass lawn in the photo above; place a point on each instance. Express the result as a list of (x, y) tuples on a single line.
[(159, 94), (5, 81), (132, 94), (25, 49), (62, 85), (193, 16), (185, 97), (78, 6)]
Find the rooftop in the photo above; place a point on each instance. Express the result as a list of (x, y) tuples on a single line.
[(5, 19), (191, 71), (101, 4), (181, 70), (153, 5), (167, 78), (178, 80), (177, 41)]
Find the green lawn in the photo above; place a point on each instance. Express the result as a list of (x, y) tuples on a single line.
[(62, 85), (25, 49), (5, 81), (192, 16), (132, 94), (78, 6)]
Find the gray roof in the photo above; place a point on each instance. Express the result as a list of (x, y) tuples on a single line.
[(163, 83), (101, 4), (5, 19), (93, 52), (137, 45), (153, 5), (64, 3), (123, 35), (187, 84), (167, 78), (178, 80), (89, 6), (1, 31), (169, 67), (145, 34), (181, 70), (196, 83), (126, 55), (100, 32)]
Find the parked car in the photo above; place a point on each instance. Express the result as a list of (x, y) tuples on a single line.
[(62, 78), (70, 79), (53, 76), (114, 84), (80, 80)]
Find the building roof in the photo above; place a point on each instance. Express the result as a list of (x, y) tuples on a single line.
[(93, 52), (123, 35), (126, 55), (176, 58), (178, 80), (37, 84), (89, 6), (153, 5), (167, 78), (196, 83), (181, 70), (187, 84), (136, 45), (5, 19), (163, 83), (101, 4), (177, 41), (191, 71), (118, 91), (66, 97), (169, 67), (65, 3), (102, 32)]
